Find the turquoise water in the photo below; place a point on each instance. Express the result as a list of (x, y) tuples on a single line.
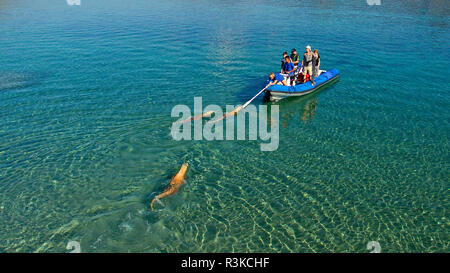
[(85, 99)]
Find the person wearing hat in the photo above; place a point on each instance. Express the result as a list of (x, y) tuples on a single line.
[(294, 57), (307, 61)]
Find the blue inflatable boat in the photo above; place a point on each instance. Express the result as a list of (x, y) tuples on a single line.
[(278, 92)]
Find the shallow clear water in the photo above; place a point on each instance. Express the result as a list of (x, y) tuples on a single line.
[(85, 99)]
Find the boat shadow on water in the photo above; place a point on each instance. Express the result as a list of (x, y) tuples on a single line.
[(307, 105), (10, 80)]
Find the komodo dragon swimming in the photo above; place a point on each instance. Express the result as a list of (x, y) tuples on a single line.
[(175, 183)]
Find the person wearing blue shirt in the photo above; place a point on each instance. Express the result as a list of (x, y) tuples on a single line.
[(276, 79), (288, 67), (285, 54)]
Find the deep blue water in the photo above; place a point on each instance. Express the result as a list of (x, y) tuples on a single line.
[(86, 94)]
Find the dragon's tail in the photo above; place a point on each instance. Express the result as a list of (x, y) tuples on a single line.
[(155, 199)]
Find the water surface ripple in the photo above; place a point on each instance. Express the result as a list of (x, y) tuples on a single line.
[(85, 99)]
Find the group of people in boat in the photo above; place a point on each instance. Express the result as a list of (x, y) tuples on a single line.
[(296, 72)]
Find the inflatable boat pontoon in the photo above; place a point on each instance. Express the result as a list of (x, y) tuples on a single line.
[(278, 92)]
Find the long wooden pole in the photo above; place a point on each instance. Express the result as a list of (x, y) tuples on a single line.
[(234, 112)]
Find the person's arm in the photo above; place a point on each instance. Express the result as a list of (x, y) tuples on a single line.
[(318, 65), (271, 83), (293, 69)]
